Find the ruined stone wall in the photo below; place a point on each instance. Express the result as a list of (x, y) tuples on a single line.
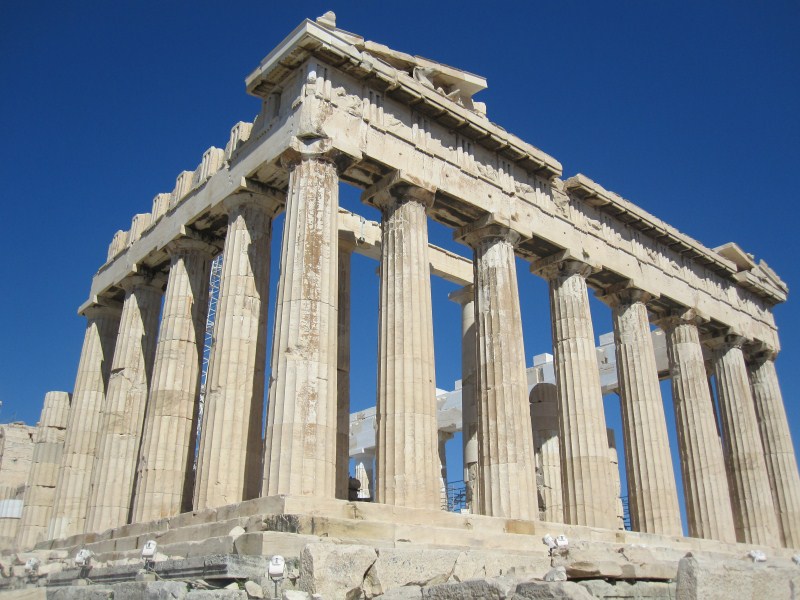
[(16, 457)]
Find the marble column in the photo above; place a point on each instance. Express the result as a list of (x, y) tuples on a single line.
[(406, 462), (705, 484), (585, 475), (71, 500), (652, 492), (47, 454), (365, 473), (124, 407), (753, 509), (11, 498), (544, 424), (776, 441), (229, 457), (465, 297), (165, 478), (616, 482), (300, 456), (444, 436), (343, 373), (506, 462)]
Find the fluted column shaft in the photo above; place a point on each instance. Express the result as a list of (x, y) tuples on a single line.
[(300, 456), (9, 526), (71, 500), (47, 455), (465, 297), (406, 464), (165, 478), (585, 470), (652, 493), (753, 509), (778, 448), (616, 481), (444, 436), (506, 462), (124, 408), (364, 472), (544, 425), (230, 453), (343, 375), (705, 485)]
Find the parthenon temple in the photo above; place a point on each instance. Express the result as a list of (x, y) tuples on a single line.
[(150, 444)]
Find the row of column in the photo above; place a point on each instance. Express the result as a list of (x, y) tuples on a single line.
[(132, 435), (742, 487)]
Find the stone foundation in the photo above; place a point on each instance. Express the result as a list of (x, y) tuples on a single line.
[(342, 549)]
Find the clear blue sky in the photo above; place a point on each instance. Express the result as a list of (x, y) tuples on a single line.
[(689, 109)]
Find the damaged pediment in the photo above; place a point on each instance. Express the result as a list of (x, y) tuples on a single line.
[(322, 38), (455, 84)]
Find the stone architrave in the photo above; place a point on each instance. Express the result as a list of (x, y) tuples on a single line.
[(300, 453), (165, 478), (47, 455), (407, 465), (230, 453), (544, 423), (465, 297), (585, 472), (506, 462), (71, 501), (343, 373), (778, 448), (705, 484), (124, 408), (753, 509), (652, 492)]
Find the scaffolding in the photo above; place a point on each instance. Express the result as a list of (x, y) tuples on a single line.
[(456, 496), (626, 513), (211, 317)]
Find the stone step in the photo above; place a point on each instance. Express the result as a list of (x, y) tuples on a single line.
[(212, 567), (379, 524)]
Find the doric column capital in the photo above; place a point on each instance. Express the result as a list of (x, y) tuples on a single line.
[(399, 187), (625, 295), (155, 281), (487, 230), (682, 316), (562, 264), (269, 200), (318, 149), (102, 308), (347, 242), (758, 352), (188, 245), (463, 295), (722, 343), (445, 436)]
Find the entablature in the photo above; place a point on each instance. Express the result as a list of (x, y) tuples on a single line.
[(550, 220), (728, 260), (351, 54)]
